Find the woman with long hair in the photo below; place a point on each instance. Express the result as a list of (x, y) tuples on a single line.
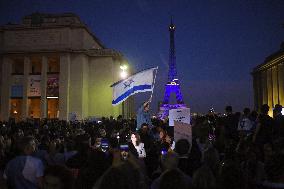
[(139, 146)]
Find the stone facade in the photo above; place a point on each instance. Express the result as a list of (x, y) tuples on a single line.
[(268, 81), (60, 52)]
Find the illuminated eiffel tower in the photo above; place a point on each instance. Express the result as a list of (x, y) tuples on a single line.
[(173, 84)]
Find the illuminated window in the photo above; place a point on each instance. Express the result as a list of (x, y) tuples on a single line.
[(16, 109), (52, 108), (34, 107)]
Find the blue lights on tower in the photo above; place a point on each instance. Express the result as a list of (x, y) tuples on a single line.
[(173, 85)]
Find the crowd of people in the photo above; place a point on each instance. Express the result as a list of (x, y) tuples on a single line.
[(235, 150)]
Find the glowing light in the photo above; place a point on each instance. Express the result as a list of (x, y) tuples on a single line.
[(282, 112), (15, 112), (270, 113), (123, 67), (123, 74), (52, 97)]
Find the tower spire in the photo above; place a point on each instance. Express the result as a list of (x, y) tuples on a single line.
[(172, 53), (173, 85)]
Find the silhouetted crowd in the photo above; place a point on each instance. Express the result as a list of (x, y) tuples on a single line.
[(231, 151)]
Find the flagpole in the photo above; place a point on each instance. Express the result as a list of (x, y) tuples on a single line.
[(150, 99)]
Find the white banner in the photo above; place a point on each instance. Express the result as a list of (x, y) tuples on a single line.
[(182, 131), (34, 85), (181, 115)]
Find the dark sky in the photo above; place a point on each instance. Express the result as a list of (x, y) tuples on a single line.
[(218, 42)]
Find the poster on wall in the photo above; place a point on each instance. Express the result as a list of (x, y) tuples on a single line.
[(16, 91), (52, 87), (34, 86), (17, 86), (181, 115)]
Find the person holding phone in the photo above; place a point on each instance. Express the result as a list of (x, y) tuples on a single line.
[(104, 145), (139, 146), (124, 149)]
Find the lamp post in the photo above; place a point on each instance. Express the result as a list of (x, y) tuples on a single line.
[(123, 75)]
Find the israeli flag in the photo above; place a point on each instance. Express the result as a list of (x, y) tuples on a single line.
[(140, 82)]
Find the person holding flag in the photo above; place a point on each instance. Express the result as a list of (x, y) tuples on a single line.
[(143, 115)]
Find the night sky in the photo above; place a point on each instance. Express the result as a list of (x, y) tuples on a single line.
[(218, 42)]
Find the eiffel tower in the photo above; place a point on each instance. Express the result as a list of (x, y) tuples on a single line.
[(173, 84)]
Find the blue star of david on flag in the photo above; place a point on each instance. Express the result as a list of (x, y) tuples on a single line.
[(128, 83)]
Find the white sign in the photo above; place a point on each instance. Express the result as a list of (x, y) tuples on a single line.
[(34, 85), (181, 115), (182, 131)]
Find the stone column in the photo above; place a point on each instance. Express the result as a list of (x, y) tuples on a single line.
[(275, 85), (43, 83), (264, 87), (6, 88), (64, 82), (281, 83), (269, 85), (25, 106), (78, 91)]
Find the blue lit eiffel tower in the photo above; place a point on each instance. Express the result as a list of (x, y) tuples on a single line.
[(173, 85)]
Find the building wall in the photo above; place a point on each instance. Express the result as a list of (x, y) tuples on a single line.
[(76, 93), (85, 86), (103, 72), (64, 86), (281, 82), (89, 42), (268, 83), (1, 39), (275, 86), (26, 39), (1, 73), (76, 36), (48, 38), (5, 88), (87, 69)]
